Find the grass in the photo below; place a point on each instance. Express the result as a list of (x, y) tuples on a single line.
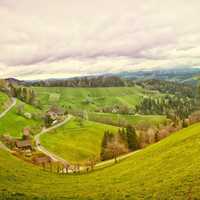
[(4, 99), (13, 123), (75, 142), (90, 98), (135, 120), (166, 170)]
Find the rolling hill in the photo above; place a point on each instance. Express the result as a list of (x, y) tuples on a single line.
[(13, 123), (90, 98), (4, 101), (165, 170), (76, 142)]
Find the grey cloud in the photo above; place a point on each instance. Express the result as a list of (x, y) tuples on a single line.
[(71, 37)]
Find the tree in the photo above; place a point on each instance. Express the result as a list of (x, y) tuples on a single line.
[(131, 138), (115, 149), (107, 138), (113, 145)]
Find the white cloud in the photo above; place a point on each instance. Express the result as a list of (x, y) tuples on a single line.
[(41, 39)]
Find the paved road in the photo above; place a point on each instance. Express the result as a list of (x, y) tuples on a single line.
[(111, 161), (39, 147), (2, 146), (53, 156), (9, 108)]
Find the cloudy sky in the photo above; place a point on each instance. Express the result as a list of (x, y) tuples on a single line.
[(64, 38)]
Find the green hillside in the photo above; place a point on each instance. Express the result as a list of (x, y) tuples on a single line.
[(13, 123), (166, 170), (76, 142), (90, 98), (135, 120), (4, 99)]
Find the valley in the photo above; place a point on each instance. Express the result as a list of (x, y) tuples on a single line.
[(104, 136)]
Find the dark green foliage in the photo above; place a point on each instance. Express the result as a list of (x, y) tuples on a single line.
[(123, 141), (131, 138), (170, 106), (107, 139), (23, 93), (48, 120), (169, 87), (96, 81)]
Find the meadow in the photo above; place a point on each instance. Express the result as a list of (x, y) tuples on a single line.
[(168, 169), (4, 99), (123, 119), (90, 98), (13, 123), (76, 141)]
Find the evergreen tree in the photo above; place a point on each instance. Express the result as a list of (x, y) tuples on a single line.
[(131, 138)]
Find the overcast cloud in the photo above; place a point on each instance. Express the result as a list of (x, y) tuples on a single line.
[(64, 38)]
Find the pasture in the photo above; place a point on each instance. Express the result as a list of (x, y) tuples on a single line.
[(76, 141)]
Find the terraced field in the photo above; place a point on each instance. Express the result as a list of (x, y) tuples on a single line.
[(13, 123), (90, 98), (76, 142), (166, 170)]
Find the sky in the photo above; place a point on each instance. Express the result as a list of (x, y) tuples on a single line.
[(42, 39)]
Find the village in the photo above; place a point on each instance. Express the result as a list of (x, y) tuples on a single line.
[(26, 149)]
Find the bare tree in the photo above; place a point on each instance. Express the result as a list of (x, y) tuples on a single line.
[(116, 149)]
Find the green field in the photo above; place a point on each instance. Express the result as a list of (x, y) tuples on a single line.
[(121, 120), (165, 170), (4, 99), (76, 142), (90, 98), (13, 123)]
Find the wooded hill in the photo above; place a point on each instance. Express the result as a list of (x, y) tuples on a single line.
[(87, 81)]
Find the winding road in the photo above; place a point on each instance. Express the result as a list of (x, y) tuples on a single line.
[(53, 156), (14, 101), (9, 108), (39, 147)]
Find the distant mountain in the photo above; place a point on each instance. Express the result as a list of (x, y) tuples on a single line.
[(183, 75)]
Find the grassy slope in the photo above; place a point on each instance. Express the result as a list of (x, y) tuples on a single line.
[(3, 100), (152, 120), (100, 97), (76, 143), (13, 124), (166, 170)]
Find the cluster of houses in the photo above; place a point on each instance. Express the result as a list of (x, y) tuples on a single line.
[(20, 145), (55, 114)]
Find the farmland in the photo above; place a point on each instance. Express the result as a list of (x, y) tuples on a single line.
[(4, 100), (77, 142), (153, 173), (13, 123), (90, 98), (123, 119)]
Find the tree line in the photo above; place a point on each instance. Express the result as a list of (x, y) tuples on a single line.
[(89, 81), (169, 87), (171, 106), (113, 145)]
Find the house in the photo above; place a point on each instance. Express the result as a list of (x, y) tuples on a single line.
[(23, 144), (55, 114), (56, 111)]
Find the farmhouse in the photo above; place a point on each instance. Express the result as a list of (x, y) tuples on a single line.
[(55, 113), (23, 145)]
